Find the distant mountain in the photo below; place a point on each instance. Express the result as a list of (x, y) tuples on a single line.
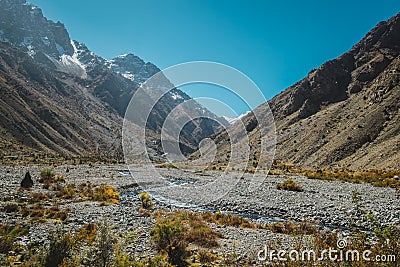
[(58, 96), (346, 113)]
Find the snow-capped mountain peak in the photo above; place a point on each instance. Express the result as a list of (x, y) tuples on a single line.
[(132, 67)]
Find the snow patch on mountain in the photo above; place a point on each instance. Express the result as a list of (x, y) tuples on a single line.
[(234, 120), (175, 95), (129, 76), (71, 64)]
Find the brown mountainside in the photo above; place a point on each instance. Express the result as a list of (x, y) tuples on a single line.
[(346, 112)]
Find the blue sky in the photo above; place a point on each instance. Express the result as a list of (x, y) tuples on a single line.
[(275, 43)]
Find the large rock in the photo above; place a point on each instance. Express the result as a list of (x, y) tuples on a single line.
[(27, 182)]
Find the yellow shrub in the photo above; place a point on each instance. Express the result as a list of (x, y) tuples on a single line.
[(106, 193)]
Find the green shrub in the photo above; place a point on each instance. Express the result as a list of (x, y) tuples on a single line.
[(166, 166), (157, 261), (60, 248), (47, 177), (201, 234), (104, 244), (47, 174), (205, 257), (168, 237)]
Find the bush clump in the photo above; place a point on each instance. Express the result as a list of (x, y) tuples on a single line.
[(290, 185), (168, 237), (106, 193), (145, 201), (292, 228), (10, 208), (8, 235), (173, 233), (60, 248)]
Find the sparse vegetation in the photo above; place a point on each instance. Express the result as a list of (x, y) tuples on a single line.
[(206, 258), (292, 228), (40, 213), (145, 201), (38, 197), (8, 235), (168, 237), (11, 207), (290, 185), (379, 178), (174, 231), (47, 177), (228, 219), (106, 193), (374, 177), (60, 248), (166, 166), (182, 238)]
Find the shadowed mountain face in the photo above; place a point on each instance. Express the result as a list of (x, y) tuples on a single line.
[(58, 96), (346, 112), (49, 111)]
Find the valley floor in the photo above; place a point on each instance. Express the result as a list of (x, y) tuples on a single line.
[(328, 204)]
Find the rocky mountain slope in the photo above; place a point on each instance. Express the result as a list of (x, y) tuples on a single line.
[(49, 111), (343, 114), (58, 96)]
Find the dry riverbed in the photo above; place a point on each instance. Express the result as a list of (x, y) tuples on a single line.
[(329, 204)]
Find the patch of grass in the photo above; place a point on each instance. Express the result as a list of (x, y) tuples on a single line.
[(40, 213), (8, 235), (38, 197), (67, 192), (228, 219), (201, 234), (166, 166), (205, 257), (85, 191), (380, 178), (290, 185), (291, 228)]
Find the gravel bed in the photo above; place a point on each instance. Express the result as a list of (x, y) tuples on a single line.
[(326, 202)]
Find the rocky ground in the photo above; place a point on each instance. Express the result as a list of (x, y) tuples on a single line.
[(327, 203)]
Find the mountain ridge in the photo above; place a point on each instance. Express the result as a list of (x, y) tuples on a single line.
[(40, 59), (343, 114)]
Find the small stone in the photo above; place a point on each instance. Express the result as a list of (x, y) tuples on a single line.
[(27, 182)]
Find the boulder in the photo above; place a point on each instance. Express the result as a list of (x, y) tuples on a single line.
[(27, 182)]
